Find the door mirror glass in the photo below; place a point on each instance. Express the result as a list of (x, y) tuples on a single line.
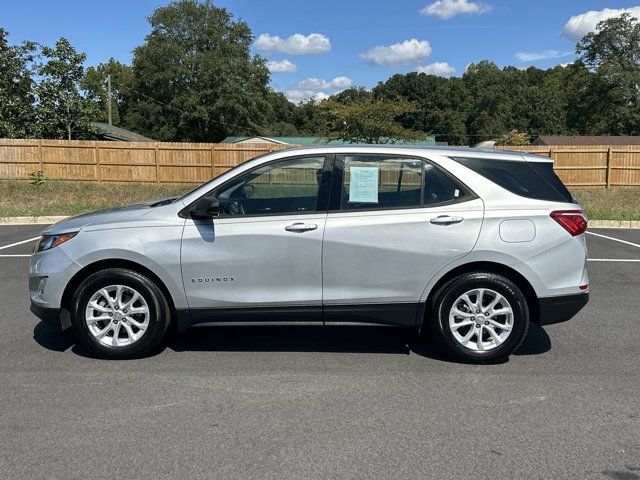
[(206, 207)]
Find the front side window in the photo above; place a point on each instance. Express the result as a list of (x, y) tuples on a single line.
[(287, 186), (380, 182)]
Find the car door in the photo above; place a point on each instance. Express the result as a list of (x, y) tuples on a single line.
[(393, 223), (262, 254)]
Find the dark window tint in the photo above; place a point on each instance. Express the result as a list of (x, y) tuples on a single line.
[(517, 177), (545, 169), (439, 187), (289, 186), (380, 182)]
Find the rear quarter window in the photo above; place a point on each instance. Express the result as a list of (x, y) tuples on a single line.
[(528, 179)]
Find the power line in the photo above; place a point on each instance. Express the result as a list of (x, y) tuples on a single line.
[(258, 132), (193, 114), (204, 117)]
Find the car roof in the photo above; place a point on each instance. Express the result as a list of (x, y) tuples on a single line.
[(491, 153)]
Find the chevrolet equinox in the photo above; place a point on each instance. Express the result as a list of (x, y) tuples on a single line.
[(468, 245)]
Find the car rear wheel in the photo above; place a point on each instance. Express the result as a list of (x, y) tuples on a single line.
[(119, 313), (480, 317)]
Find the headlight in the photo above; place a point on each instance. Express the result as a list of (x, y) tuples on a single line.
[(47, 242)]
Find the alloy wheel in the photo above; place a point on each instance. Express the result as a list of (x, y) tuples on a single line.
[(117, 315), (481, 319)]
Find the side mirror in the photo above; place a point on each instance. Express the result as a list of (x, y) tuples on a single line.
[(206, 207)]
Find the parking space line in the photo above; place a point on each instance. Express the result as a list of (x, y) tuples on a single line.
[(15, 256), (19, 243), (614, 239), (613, 259)]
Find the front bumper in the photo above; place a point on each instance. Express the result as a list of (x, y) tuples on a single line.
[(54, 317), (561, 309)]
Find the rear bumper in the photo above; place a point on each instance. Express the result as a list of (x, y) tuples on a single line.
[(561, 309), (51, 316)]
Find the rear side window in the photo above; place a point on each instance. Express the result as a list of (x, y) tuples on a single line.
[(380, 182), (527, 179), (439, 188)]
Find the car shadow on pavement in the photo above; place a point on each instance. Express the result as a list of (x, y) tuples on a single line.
[(48, 338), (382, 340)]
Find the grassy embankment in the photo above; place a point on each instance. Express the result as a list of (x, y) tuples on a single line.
[(20, 198)]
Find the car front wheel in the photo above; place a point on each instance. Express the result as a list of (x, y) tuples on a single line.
[(119, 313), (480, 317)]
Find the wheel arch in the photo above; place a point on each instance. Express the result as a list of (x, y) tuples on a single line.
[(99, 265), (487, 267)]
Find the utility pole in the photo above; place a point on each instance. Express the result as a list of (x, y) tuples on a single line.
[(109, 96)]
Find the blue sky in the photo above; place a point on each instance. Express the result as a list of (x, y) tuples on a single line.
[(441, 36)]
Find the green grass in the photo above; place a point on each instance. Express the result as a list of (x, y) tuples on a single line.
[(20, 198), (620, 203)]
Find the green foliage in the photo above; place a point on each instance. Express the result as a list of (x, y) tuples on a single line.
[(368, 121), (62, 110), (514, 138), (17, 119), (36, 178), (611, 93), (195, 78), (94, 83)]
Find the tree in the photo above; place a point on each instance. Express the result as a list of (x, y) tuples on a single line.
[(279, 117), (441, 104), (94, 84), (612, 54), (369, 121), (62, 109), (17, 119), (513, 138), (195, 78)]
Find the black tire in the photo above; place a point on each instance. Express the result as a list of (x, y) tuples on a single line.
[(159, 313), (444, 299)]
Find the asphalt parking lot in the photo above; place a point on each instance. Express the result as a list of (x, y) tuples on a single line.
[(326, 402)]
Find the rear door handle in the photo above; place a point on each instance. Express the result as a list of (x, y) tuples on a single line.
[(446, 220), (301, 227)]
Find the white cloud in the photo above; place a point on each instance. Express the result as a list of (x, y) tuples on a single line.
[(297, 96), (398, 54), (441, 69), (446, 9), (317, 88), (528, 57), (341, 82), (279, 66), (579, 25), (296, 44)]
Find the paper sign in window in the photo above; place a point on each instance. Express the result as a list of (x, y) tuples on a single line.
[(363, 184)]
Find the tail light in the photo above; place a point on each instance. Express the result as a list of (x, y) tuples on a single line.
[(572, 221)]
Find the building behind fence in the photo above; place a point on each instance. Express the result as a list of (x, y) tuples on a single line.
[(159, 162)]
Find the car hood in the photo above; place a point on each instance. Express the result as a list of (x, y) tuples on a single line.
[(117, 215)]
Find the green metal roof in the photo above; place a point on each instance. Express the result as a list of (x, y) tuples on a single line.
[(111, 132), (428, 141)]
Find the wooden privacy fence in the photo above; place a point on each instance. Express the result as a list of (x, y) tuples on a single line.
[(159, 162), (151, 162), (591, 165)]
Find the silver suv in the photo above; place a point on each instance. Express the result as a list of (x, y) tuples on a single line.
[(468, 245)]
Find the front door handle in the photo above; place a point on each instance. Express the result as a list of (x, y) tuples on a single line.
[(301, 227), (446, 220)]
